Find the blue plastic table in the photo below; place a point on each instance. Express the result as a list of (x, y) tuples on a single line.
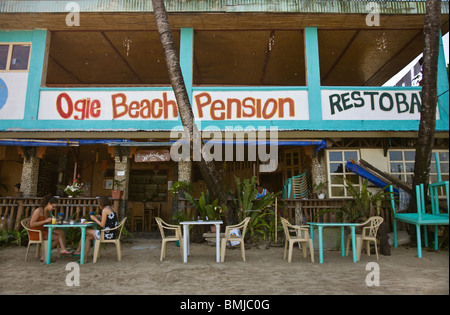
[(81, 226), (320, 227)]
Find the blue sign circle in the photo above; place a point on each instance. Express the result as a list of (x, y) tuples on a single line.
[(3, 93)]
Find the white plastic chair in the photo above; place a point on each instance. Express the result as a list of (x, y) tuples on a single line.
[(233, 238), (302, 237), (369, 234)]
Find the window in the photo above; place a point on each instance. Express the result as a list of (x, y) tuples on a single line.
[(401, 165), (337, 172), (14, 57), (443, 157)]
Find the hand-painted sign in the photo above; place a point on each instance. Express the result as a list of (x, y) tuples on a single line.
[(108, 105), (161, 105), (152, 156), (13, 87), (251, 105), (371, 104)]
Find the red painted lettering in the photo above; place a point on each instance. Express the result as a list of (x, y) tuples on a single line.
[(116, 105), (213, 109), (59, 105), (200, 104), (249, 103)]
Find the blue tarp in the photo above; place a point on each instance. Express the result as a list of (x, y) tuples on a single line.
[(359, 170), (321, 144), (56, 143)]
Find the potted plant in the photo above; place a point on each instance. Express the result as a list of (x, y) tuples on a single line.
[(73, 190), (116, 192), (180, 187), (318, 190)]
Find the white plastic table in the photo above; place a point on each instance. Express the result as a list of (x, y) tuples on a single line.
[(185, 224)]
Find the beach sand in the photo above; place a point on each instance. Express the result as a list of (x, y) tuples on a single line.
[(264, 273)]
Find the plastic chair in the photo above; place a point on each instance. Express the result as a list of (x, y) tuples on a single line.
[(228, 237), (369, 234), (116, 241), (302, 237), (163, 226), (41, 242), (300, 187)]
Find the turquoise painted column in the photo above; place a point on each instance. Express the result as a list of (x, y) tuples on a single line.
[(186, 58), (313, 73), (442, 85), (37, 56)]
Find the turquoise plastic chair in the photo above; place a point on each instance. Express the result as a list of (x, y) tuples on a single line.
[(418, 218), (299, 185)]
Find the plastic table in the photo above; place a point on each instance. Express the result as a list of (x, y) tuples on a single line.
[(320, 227), (81, 226), (185, 224)]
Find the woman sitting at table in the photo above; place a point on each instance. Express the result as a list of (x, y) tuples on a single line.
[(108, 221), (40, 217)]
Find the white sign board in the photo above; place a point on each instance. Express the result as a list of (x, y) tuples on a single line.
[(251, 105), (161, 105), (371, 104), (108, 105), (13, 92)]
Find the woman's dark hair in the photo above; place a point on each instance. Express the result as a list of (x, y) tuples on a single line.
[(48, 199), (104, 201)]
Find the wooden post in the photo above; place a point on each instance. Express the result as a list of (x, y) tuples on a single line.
[(19, 214), (276, 223)]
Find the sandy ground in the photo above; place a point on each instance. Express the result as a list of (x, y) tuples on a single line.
[(264, 273)]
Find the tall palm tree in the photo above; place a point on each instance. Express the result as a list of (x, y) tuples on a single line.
[(427, 123), (206, 166)]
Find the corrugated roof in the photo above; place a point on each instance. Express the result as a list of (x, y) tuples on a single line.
[(286, 6)]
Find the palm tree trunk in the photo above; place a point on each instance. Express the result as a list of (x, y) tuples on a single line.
[(209, 173), (427, 124)]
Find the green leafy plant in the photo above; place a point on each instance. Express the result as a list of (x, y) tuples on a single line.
[(118, 184), (4, 238), (18, 236), (180, 186), (262, 223), (206, 209), (359, 208)]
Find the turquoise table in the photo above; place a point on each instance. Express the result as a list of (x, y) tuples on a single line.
[(81, 226), (320, 227)]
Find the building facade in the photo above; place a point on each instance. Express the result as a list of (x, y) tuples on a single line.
[(84, 91)]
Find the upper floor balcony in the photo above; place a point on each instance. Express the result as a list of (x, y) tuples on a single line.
[(330, 57)]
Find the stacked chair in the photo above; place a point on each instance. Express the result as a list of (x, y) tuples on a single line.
[(296, 187)]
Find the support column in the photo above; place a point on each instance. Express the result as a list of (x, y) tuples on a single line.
[(184, 171), (442, 84), (30, 172), (313, 73), (186, 58), (122, 171), (319, 170), (184, 175)]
